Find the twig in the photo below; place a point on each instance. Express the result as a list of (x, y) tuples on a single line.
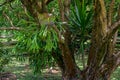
[(110, 12), (48, 1), (9, 43), (114, 27), (6, 2), (10, 28), (9, 36), (51, 24), (8, 18)]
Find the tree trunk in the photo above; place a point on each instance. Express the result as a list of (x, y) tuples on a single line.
[(101, 62), (70, 72)]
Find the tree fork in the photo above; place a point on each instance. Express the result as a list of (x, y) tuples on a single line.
[(70, 65)]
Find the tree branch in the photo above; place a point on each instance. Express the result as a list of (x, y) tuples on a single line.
[(113, 27), (61, 40), (24, 54), (61, 9), (118, 56), (48, 1), (110, 12), (8, 18), (10, 28), (51, 24), (6, 2), (4, 36), (9, 43), (111, 64)]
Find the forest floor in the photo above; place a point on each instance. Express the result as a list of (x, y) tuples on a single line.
[(23, 72)]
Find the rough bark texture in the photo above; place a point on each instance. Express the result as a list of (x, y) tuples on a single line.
[(101, 61), (70, 72)]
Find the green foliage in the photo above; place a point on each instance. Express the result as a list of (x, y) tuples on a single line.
[(81, 15), (81, 22), (20, 69), (34, 42), (4, 58), (53, 8), (44, 39), (38, 44)]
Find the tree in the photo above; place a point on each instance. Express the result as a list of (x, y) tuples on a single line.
[(102, 59)]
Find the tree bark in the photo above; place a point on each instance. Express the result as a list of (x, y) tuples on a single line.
[(101, 61), (71, 70)]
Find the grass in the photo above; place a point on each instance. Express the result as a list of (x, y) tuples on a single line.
[(23, 72), (116, 74)]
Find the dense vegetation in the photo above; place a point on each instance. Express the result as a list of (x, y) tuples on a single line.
[(55, 32)]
